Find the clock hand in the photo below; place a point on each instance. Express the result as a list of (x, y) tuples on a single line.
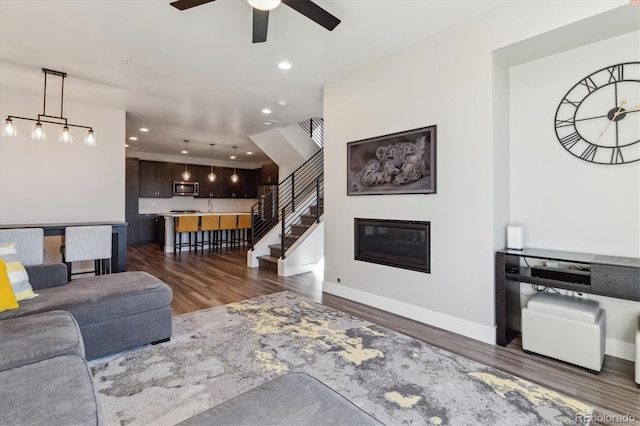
[(615, 114)]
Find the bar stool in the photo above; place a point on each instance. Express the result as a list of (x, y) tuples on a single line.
[(211, 225), (229, 223), (87, 243), (244, 224), (181, 225)]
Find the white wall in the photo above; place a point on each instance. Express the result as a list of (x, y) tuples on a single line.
[(50, 182), (449, 80), (566, 203)]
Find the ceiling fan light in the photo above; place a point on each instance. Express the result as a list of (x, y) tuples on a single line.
[(8, 129), (65, 135), (37, 132), (264, 4)]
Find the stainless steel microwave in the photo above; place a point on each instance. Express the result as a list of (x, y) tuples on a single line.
[(186, 188)]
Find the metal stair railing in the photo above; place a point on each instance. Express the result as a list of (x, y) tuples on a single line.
[(314, 127), (312, 194), (266, 212)]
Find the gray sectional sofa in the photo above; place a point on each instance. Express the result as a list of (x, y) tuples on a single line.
[(44, 377), (115, 312), (45, 343)]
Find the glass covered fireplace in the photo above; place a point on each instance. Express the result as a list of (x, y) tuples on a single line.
[(399, 243)]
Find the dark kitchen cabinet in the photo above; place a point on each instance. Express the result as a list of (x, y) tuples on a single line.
[(270, 174), (147, 228), (156, 179), (208, 189), (132, 191)]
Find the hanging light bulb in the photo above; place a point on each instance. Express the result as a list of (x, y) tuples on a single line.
[(211, 176), (8, 129), (37, 132), (186, 175), (234, 176), (90, 139), (264, 4), (65, 135)]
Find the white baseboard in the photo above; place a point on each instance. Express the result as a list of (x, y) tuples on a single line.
[(620, 349), (466, 328), (615, 348)]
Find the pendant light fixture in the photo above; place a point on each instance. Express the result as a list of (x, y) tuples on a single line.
[(37, 132), (186, 175), (234, 176), (211, 176)]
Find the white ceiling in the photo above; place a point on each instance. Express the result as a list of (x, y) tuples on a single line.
[(195, 74)]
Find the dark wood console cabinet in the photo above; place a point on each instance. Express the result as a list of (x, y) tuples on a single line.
[(617, 277)]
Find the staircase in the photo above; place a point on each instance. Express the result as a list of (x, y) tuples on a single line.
[(292, 207), (304, 222)]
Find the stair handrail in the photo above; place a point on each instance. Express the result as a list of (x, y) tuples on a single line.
[(288, 220), (282, 194)]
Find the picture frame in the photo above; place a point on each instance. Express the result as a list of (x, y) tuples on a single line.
[(398, 163)]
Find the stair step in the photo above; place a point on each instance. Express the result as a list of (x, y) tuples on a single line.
[(276, 250), (313, 209), (308, 219), (268, 262), (298, 229)]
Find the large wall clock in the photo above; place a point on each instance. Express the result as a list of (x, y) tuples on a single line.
[(598, 120)]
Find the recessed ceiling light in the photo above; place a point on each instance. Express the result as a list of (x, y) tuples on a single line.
[(133, 138), (284, 65), (233, 157), (249, 153), (268, 123), (144, 129), (126, 145), (266, 111), (184, 151), (282, 103)]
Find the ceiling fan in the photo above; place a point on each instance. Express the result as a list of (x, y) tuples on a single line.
[(261, 10)]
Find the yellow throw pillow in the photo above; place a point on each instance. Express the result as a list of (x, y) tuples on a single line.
[(7, 298), (17, 274)]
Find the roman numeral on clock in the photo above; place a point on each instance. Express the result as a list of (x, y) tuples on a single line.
[(589, 84), (570, 140), (589, 153), (616, 73), (616, 156), (564, 123)]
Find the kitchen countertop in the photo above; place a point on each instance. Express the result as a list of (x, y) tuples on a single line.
[(196, 214)]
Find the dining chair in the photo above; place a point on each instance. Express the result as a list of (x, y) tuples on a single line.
[(82, 243)]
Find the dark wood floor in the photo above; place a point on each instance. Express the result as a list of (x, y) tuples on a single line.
[(206, 279)]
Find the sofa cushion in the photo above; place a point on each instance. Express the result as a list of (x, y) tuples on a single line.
[(17, 274), (101, 298), (32, 338), (7, 298), (292, 399), (55, 391)]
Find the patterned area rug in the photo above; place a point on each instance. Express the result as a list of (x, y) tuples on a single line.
[(221, 352)]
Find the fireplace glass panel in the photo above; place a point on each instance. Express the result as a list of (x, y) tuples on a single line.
[(403, 244)]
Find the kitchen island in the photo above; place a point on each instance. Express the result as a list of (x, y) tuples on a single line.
[(167, 227)]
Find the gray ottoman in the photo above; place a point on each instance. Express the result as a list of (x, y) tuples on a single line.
[(293, 399)]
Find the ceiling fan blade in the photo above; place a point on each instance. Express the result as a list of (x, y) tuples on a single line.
[(188, 4), (313, 12), (260, 24)]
